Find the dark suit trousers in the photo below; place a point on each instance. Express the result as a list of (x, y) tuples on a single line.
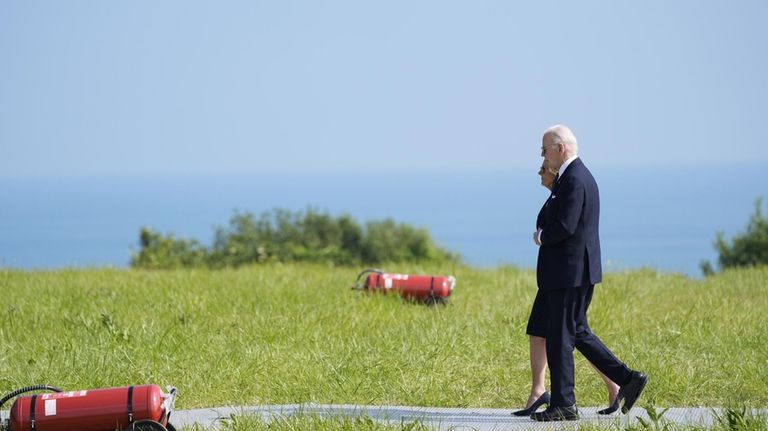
[(567, 329)]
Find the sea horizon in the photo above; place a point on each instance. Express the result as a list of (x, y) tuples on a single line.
[(666, 220)]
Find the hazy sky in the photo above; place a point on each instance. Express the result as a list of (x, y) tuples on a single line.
[(135, 87)]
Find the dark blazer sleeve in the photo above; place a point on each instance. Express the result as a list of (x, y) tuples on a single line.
[(570, 194)]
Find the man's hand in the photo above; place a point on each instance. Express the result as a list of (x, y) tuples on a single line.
[(536, 236)]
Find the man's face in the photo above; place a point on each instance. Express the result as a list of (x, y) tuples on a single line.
[(551, 152)]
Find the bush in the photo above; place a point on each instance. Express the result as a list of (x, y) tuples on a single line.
[(284, 236), (748, 249), (167, 252), (386, 241)]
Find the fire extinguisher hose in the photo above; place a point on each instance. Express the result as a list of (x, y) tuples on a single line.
[(28, 389), (359, 281)]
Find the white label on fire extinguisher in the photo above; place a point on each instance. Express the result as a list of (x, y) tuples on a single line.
[(50, 407), (387, 283), (72, 394)]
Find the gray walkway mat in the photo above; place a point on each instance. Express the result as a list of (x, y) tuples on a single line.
[(438, 418)]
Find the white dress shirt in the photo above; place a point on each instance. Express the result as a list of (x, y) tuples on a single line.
[(565, 166)]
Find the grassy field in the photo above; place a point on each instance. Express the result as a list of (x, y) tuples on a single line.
[(297, 333)]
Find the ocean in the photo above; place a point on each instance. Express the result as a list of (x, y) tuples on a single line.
[(666, 220)]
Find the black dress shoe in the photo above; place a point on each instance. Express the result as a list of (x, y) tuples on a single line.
[(612, 408), (543, 399), (557, 414), (632, 390)]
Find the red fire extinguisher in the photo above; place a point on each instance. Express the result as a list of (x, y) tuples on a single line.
[(430, 289), (144, 408)]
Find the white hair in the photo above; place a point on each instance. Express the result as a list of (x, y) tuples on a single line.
[(563, 135)]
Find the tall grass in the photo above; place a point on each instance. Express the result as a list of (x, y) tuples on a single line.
[(296, 333), (313, 422)]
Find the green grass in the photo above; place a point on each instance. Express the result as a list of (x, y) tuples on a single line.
[(282, 334), (313, 422)]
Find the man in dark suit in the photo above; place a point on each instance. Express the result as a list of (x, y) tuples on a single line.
[(567, 270)]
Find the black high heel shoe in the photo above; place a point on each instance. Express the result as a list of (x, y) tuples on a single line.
[(543, 399), (612, 408)]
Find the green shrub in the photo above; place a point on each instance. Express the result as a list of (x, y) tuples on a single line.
[(747, 249), (386, 241), (284, 236), (167, 252)]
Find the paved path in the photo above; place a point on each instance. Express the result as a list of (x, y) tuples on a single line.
[(438, 418)]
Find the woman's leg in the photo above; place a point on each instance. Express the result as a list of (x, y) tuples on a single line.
[(610, 385), (538, 353)]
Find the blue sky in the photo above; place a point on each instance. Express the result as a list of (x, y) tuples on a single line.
[(192, 87)]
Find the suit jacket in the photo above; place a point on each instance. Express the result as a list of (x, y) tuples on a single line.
[(569, 255)]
